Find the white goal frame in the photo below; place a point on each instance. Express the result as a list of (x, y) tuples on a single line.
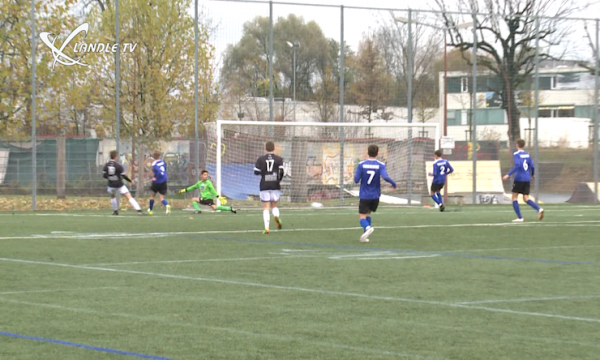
[(220, 124)]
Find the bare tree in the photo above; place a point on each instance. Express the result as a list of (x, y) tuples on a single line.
[(506, 38), (392, 38)]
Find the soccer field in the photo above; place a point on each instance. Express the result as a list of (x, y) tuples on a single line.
[(455, 285)]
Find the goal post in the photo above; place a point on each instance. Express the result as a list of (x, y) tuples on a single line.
[(319, 158)]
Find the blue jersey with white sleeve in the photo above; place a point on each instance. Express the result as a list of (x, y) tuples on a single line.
[(159, 168), (523, 168), (441, 168), (368, 173)]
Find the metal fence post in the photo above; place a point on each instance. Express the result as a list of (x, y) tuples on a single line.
[(118, 81), (33, 121), (410, 105), (597, 110), (270, 57), (536, 106), (342, 52), (474, 110), (196, 140)]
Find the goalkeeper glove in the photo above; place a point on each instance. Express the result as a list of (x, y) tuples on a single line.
[(181, 191), (222, 200)]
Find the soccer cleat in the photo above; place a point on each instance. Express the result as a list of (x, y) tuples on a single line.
[(168, 209), (278, 222), (115, 212), (266, 232), (150, 212), (233, 210), (139, 212), (519, 220), (365, 236), (541, 214), (198, 212), (442, 208), (365, 241)]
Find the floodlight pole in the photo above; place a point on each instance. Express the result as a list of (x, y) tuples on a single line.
[(474, 115)]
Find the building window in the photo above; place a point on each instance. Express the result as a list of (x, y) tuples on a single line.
[(566, 112), (554, 82), (464, 84), (556, 113)]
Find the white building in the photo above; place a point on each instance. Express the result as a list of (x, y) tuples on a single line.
[(566, 106)]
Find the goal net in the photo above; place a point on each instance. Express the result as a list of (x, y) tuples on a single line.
[(320, 159)]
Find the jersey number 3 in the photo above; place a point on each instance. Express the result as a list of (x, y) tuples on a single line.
[(270, 165)]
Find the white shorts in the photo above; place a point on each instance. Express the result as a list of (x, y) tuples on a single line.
[(122, 190), (270, 195)]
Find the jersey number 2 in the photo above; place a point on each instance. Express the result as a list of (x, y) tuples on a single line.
[(442, 170), (270, 165), (371, 174)]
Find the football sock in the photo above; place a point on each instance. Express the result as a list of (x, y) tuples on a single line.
[(275, 211), (224, 208), (516, 207), (369, 220), (533, 205), (266, 218), (151, 206), (164, 202), (440, 199), (364, 223), (114, 204), (435, 198), (134, 203), (196, 205)]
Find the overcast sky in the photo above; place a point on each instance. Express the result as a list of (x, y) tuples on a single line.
[(229, 18)]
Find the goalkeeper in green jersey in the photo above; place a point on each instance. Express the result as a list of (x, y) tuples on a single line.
[(207, 195)]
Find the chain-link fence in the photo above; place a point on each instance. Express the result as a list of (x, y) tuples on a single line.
[(486, 79)]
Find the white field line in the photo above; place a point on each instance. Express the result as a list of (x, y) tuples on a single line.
[(282, 256), (550, 298), (399, 257), (524, 248), (278, 337), (118, 236), (306, 212), (58, 290), (308, 290)]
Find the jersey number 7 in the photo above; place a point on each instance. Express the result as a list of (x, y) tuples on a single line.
[(371, 174)]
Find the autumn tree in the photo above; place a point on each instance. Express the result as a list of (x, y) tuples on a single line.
[(372, 83), (15, 64), (245, 70), (157, 76)]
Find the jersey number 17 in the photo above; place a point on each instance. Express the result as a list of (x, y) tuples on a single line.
[(270, 165)]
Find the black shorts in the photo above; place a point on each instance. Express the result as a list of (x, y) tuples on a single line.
[(159, 188), (521, 187), (436, 187), (209, 202), (367, 206)]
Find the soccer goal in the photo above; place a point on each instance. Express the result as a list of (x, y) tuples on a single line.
[(320, 159)]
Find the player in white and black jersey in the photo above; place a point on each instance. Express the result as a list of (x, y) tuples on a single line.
[(270, 169), (113, 172)]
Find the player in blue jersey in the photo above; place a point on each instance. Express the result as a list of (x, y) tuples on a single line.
[(441, 168), (368, 173), (524, 171), (159, 183)]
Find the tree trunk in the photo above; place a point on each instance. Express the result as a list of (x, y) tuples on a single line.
[(509, 104)]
